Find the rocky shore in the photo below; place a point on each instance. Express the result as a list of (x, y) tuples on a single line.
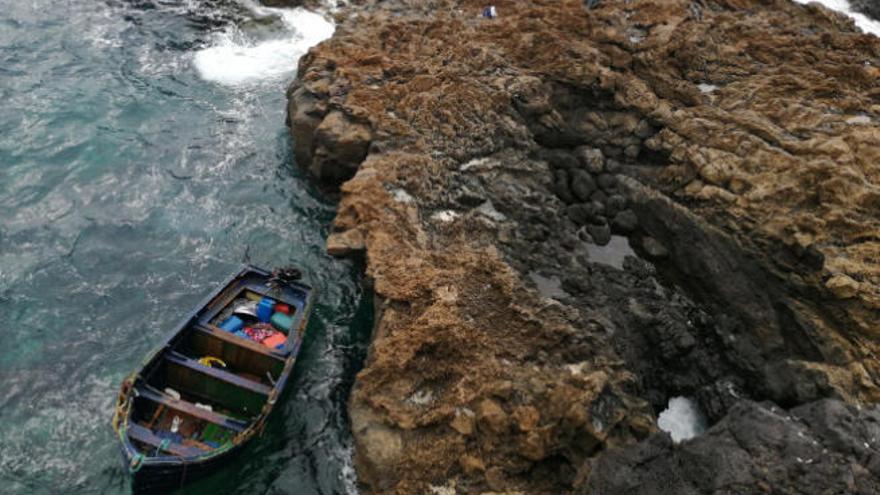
[(578, 210)]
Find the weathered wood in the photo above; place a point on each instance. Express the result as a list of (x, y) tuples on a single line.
[(218, 374), (239, 358), (232, 339), (143, 435), (190, 409), (240, 394)]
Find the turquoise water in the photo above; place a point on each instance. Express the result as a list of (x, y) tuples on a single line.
[(131, 181)]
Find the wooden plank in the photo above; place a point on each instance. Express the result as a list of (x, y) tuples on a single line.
[(238, 358), (143, 435), (190, 408), (232, 339), (218, 374)]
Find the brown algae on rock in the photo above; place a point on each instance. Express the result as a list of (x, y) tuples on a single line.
[(716, 136)]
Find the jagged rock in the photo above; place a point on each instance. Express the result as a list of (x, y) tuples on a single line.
[(561, 186), (582, 184), (843, 286), (471, 465), (527, 418), (586, 213), (748, 135), (625, 222), (615, 204), (591, 159), (601, 234), (464, 421), (756, 448), (340, 147), (491, 417), (653, 249), (612, 166), (870, 8), (607, 182), (342, 244)]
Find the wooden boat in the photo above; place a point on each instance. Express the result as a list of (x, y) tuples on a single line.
[(206, 391)]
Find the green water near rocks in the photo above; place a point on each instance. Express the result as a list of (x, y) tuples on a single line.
[(129, 187)]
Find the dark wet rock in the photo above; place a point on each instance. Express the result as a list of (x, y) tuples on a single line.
[(286, 3), (607, 182), (587, 213), (599, 197), (625, 222), (558, 158), (582, 184), (580, 214), (601, 234), (632, 151), (644, 129), (821, 447), (469, 197), (615, 204), (870, 8), (561, 186), (612, 153), (598, 212), (653, 249), (613, 166), (591, 159), (718, 397)]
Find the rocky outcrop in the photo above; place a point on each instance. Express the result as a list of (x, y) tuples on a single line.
[(870, 8), (494, 172), (820, 447)]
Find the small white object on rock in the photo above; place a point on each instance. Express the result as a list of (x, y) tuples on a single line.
[(444, 216), (707, 88), (489, 210), (476, 162), (858, 119), (401, 196), (421, 397)]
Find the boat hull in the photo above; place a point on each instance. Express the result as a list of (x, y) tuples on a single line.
[(155, 478), (173, 465)]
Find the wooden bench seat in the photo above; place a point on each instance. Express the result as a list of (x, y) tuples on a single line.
[(144, 435), (191, 409), (218, 374)]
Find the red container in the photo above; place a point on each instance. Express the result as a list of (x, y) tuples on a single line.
[(282, 308), (275, 340)]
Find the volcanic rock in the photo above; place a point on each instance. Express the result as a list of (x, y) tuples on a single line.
[(742, 135)]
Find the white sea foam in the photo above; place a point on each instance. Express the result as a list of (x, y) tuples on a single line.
[(864, 22), (683, 419), (235, 59)]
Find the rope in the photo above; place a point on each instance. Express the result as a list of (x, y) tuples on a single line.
[(137, 462), (210, 360), (163, 445)]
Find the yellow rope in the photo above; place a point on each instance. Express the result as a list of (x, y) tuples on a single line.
[(210, 360)]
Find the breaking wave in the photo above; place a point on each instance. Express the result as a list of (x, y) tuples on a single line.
[(238, 57)]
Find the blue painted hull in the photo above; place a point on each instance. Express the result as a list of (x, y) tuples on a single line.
[(168, 472)]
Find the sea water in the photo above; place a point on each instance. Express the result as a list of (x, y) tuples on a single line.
[(143, 158), (682, 419)]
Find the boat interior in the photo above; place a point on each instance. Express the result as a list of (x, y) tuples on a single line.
[(212, 380)]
